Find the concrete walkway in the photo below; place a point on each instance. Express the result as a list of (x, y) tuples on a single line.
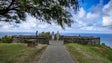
[(56, 53)]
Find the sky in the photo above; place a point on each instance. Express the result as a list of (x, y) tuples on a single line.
[(94, 16)]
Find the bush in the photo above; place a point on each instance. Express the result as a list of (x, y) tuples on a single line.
[(6, 39), (44, 34), (0, 40), (103, 44)]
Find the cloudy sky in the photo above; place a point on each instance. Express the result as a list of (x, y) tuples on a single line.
[(95, 16)]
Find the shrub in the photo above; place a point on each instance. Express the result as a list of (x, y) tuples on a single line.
[(44, 34), (0, 40), (103, 44), (6, 39)]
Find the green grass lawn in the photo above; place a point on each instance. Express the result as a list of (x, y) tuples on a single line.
[(17, 53), (90, 54)]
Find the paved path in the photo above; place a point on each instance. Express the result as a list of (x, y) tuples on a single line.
[(56, 53)]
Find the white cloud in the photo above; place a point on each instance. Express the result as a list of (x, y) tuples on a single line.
[(29, 23), (88, 19), (107, 21), (107, 14), (81, 13), (43, 25), (4, 26), (92, 16)]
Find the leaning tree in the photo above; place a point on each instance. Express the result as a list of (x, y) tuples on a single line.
[(45, 10)]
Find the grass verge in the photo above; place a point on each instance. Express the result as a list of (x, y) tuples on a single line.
[(90, 54), (18, 53)]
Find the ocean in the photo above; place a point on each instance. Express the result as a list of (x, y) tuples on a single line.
[(104, 38)]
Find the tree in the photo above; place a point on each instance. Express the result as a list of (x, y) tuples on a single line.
[(44, 34), (45, 10)]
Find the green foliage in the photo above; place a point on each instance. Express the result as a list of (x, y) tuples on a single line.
[(44, 34), (90, 54), (6, 39), (45, 10), (103, 44), (0, 40)]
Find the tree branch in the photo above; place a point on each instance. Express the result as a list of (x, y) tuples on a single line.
[(11, 4), (14, 9), (5, 11)]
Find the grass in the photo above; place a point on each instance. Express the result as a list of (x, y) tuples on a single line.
[(90, 54), (17, 53)]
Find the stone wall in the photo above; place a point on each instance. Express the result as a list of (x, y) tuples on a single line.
[(81, 40), (67, 39), (38, 39)]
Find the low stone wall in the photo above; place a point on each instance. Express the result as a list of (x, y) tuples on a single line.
[(38, 39), (67, 39), (81, 40)]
